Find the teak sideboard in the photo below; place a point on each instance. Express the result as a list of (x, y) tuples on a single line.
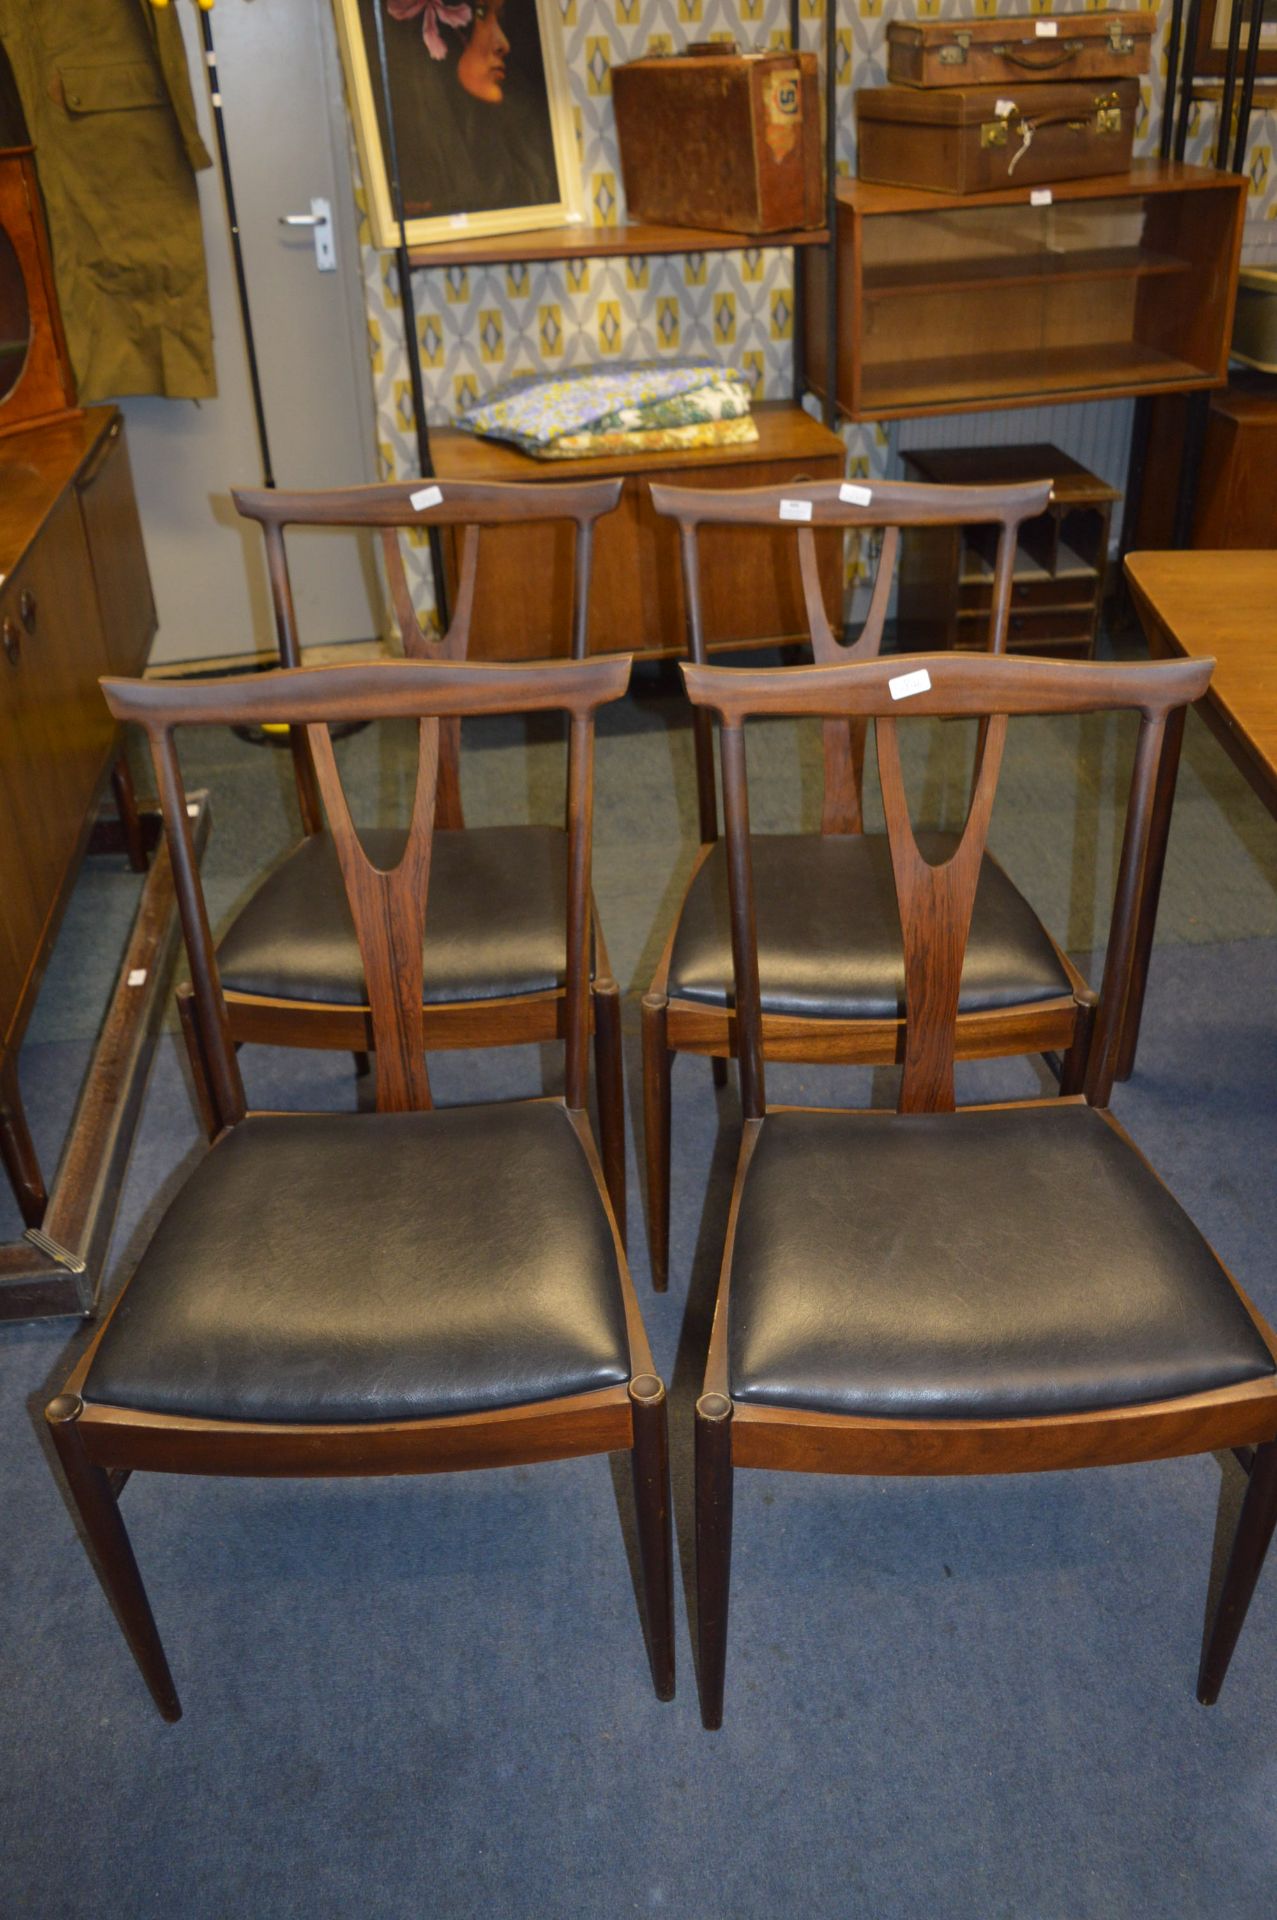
[(752, 592), (75, 603)]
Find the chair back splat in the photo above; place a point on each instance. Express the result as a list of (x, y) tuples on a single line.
[(935, 902), (838, 508), (409, 506), (388, 908)]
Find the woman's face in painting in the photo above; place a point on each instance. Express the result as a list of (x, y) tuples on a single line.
[(481, 68)]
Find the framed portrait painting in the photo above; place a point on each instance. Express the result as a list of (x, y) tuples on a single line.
[(1211, 52), (482, 116)]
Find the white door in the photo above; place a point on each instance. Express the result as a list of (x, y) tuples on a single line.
[(280, 80)]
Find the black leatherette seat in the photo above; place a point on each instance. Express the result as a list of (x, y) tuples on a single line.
[(829, 941), (987, 1265), (495, 917), (351, 1267)]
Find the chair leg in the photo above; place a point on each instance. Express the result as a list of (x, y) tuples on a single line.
[(363, 1065), (17, 1148), (609, 1081), (189, 1021), (1245, 1563), (130, 819), (713, 1548), (656, 1134), (650, 1464), (719, 1067), (99, 1511), (1073, 1069)]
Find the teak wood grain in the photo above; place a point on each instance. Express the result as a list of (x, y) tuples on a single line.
[(955, 303), (753, 593), (935, 907), (99, 1445)]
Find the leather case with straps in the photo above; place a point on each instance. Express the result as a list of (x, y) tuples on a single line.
[(976, 139), (716, 138), (1016, 47)]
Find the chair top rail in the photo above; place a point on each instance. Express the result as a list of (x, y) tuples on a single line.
[(838, 503), (372, 690), (425, 503), (933, 684)]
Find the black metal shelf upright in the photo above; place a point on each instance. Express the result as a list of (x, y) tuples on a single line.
[(408, 300)]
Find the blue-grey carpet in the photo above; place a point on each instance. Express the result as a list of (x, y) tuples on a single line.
[(407, 1698)]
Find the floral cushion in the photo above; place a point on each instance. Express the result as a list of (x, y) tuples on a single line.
[(541, 412)]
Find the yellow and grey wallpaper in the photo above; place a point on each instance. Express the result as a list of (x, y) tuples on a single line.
[(478, 328)]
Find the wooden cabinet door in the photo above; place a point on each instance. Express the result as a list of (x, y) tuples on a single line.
[(59, 734), (118, 556)]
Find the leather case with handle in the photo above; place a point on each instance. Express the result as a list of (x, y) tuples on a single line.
[(715, 138), (1016, 47), (976, 139)]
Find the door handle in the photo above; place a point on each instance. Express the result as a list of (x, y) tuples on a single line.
[(320, 222)]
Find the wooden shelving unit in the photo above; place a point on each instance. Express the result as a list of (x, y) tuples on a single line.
[(580, 242), (1120, 285), (946, 573)]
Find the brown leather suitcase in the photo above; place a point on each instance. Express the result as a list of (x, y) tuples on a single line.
[(1017, 47), (720, 139), (975, 139)]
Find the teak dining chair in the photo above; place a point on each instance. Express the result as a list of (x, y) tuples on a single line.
[(415, 1290), (495, 969), (829, 952), (991, 1289)]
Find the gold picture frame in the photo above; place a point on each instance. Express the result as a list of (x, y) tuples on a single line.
[(482, 115), (1210, 55)]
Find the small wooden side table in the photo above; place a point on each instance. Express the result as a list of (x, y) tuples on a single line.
[(946, 573)]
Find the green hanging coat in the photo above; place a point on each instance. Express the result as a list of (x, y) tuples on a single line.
[(107, 97)]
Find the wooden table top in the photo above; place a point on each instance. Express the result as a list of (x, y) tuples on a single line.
[(1222, 604), (37, 464)]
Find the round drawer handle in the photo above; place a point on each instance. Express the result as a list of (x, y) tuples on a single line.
[(27, 609), (12, 633)]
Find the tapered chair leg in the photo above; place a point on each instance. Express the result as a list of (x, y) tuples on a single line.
[(189, 1021), (1245, 1563), (713, 1548), (650, 1463), (609, 1080), (17, 1148), (1073, 1071), (656, 1134), (363, 1065), (99, 1511), (719, 1066)]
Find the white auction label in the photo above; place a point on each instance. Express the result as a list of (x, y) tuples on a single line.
[(1040, 197), (1003, 109), (1047, 29), (425, 497), (855, 496), (905, 685), (193, 809), (137, 976), (795, 509)]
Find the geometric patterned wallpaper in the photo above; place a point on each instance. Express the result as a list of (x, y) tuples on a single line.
[(480, 327)]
